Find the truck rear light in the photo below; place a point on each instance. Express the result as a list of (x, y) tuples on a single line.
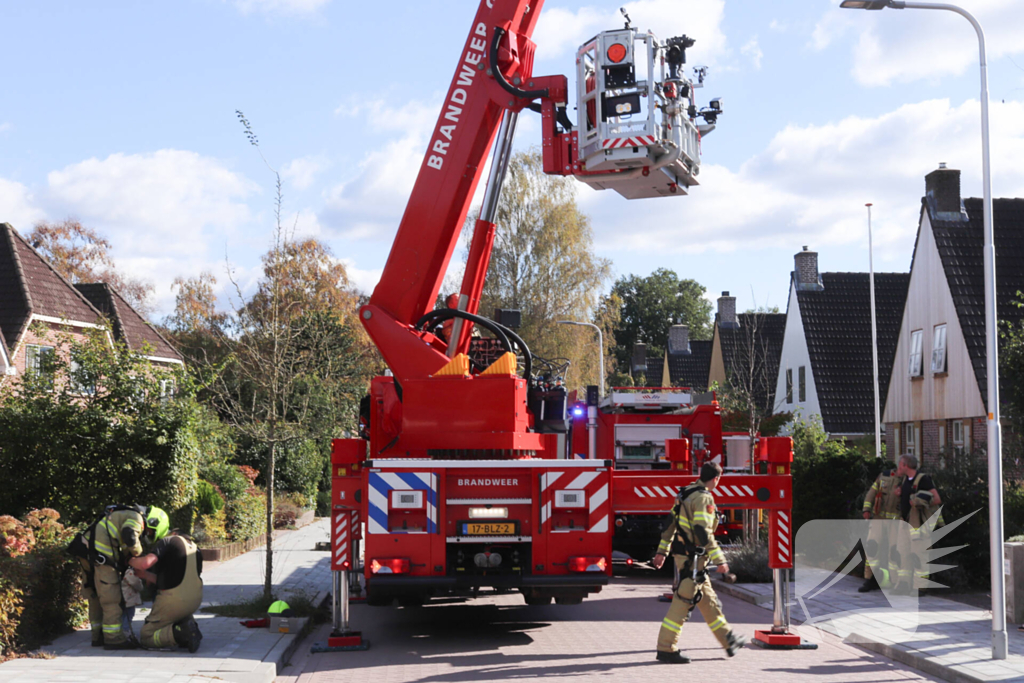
[(570, 499), (587, 564), (389, 565), (488, 513)]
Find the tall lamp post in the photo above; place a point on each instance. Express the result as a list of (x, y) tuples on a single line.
[(600, 348), (874, 337), (995, 450)]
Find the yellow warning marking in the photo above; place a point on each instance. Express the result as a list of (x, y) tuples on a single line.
[(505, 365), (456, 367)]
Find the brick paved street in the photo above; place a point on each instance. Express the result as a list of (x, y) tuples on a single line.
[(608, 637)]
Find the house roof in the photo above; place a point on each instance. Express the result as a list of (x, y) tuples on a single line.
[(770, 332), (960, 245), (837, 329), (129, 326), (685, 369), (30, 286)]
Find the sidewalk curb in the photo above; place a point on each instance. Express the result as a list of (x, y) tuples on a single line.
[(737, 590), (918, 662), (283, 652)]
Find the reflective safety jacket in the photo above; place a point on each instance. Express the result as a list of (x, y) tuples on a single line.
[(921, 512), (694, 520), (118, 534), (883, 498)]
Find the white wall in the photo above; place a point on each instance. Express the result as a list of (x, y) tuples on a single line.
[(794, 355)]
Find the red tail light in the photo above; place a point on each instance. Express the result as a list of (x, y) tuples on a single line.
[(629, 561), (346, 565), (587, 564), (389, 565)]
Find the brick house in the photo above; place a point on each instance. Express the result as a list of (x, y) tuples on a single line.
[(36, 304), (751, 339), (826, 367), (937, 394)]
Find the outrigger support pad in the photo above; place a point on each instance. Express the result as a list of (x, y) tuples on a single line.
[(342, 638)]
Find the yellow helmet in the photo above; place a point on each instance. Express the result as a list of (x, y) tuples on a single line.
[(157, 521)]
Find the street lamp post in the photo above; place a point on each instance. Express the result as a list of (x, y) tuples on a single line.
[(874, 337), (600, 348), (995, 450)]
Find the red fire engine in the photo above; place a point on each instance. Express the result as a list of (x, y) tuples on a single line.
[(462, 481)]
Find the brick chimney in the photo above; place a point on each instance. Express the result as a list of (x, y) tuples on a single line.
[(805, 271), (679, 340), (942, 194), (727, 311), (639, 362)]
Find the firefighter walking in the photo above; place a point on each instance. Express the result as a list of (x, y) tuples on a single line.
[(103, 550), (690, 539)]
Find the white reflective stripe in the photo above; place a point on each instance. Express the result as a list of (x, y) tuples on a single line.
[(782, 525), (637, 491), (548, 478), (748, 491), (783, 550), (599, 497), (582, 480), (601, 526), (661, 492), (380, 501), (427, 478), (783, 515), (394, 481), (648, 491), (545, 512)]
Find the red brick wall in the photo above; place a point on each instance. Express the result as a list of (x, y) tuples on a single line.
[(48, 338)]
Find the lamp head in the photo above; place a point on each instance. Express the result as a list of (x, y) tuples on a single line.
[(864, 4)]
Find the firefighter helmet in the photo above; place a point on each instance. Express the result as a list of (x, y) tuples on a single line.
[(157, 521)]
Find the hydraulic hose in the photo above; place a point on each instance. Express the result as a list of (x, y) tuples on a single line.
[(499, 33), (504, 334)]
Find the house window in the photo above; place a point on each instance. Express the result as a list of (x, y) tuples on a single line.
[(968, 445), (803, 383), (958, 432), (78, 386), (34, 354), (939, 349), (942, 438), (910, 444), (789, 385), (916, 340), (167, 389), (896, 436)]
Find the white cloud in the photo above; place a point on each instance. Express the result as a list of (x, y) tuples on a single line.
[(810, 184), (560, 31), (164, 211), (779, 26), (303, 171), (899, 47), (6, 127), (280, 6), (363, 280), (370, 204), (19, 207), (753, 52)]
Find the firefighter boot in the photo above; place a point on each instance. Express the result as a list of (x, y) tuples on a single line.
[(869, 585), (736, 643), (674, 657), (126, 644), (187, 634)]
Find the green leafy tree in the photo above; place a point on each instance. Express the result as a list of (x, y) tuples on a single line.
[(543, 263), (652, 304)]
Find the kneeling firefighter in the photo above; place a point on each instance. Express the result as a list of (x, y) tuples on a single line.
[(104, 549), (690, 538), (175, 565)]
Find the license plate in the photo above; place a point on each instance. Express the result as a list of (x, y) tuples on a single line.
[(488, 528)]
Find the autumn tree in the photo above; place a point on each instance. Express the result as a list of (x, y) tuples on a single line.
[(81, 254), (543, 264), (651, 305)]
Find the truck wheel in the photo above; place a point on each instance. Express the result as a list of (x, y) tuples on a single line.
[(537, 600), (569, 600), (379, 598)]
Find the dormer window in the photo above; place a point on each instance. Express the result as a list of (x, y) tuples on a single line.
[(914, 366), (939, 350)]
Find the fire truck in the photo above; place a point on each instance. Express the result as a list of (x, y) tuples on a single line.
[(632, 426), (464, 479)]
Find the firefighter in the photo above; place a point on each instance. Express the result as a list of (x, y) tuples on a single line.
[(107, 544), (882, 501), (175, 565), (690, 538), (919, 502)]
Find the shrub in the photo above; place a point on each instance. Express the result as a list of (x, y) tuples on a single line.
[(961, 479), (750, 563), (246, 516), (211, 529), (208, 501), (323, 504), (40, 594), (227, 478)]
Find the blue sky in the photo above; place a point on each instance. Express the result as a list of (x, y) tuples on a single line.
[(122, 115)]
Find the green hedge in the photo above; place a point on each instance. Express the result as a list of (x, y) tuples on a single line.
[(247, 516)]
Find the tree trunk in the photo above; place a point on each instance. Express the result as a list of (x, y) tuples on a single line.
[(268, 583)]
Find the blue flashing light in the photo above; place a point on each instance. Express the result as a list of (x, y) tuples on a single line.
[(577, 411)]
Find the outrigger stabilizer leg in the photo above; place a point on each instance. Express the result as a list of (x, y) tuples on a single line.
[(342, 638)]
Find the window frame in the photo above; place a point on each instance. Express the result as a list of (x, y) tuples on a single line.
[(937, 332), (910, 439), (915, 365), (802, 379), (958, 433), (789, 386)]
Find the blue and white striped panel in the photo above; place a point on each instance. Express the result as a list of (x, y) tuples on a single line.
[(381, 485)]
